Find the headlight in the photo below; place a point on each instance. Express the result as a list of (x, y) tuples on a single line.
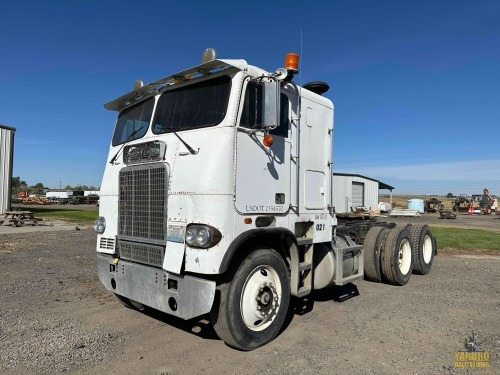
[(191, 236), (203, 236), (100, 225)]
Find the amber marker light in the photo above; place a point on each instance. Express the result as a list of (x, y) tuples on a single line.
[(268, 140), (292, 62), (247, 220)]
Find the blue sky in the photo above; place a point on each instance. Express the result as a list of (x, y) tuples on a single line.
[(416, 84)]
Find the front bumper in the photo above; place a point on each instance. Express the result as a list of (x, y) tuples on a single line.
[(183, 296)]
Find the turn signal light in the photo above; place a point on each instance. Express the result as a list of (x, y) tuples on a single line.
[(268, 140)]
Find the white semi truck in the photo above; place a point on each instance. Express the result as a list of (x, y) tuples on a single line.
[(216, 199)]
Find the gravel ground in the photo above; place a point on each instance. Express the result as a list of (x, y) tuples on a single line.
[(55, 317)]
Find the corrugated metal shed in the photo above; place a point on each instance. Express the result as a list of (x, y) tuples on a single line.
[(352, 190), (6, 160)]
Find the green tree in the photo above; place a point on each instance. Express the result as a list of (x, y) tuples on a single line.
[(449, 195), (16, 182), (18, 185), (37, 188)]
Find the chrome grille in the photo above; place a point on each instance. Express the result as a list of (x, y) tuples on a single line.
[(142, 206), (141, 253)]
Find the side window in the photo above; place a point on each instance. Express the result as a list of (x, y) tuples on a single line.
[(251, 116)]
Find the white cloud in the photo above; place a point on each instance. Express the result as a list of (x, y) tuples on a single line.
[(443, 171)]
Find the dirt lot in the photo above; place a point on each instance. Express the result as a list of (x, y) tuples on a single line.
[(55, 317)]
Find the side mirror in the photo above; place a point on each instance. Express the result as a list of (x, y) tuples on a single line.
[(261, 106), (270, 103)]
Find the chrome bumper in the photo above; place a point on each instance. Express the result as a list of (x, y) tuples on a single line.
[(183, 296)]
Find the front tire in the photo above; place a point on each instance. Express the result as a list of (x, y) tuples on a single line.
[(253, 305)]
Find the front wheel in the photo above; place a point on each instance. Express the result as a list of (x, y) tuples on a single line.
[(252, 306)]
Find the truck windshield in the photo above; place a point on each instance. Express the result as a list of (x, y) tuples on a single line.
[(133, 119), (195, 106)]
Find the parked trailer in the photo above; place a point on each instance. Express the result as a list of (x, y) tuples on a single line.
[(59, 194), (217, 199)]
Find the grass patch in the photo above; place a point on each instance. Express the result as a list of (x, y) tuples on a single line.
[(466, 239), (86, 216)]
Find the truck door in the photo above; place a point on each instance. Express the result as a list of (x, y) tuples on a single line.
[(262, 174)]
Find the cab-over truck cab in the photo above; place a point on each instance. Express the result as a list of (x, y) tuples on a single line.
[(216, 198)]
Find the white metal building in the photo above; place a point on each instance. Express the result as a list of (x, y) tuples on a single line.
[(353, 190), (6, 160)]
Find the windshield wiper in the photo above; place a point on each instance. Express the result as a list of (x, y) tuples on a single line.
[(124, 143), (190, 149)]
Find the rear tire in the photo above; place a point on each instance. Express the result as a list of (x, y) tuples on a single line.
[(250, 308), (374, 240), (396, 256), (423, 248)]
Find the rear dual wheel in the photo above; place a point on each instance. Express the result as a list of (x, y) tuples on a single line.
[(423, 248), (396, 256), (373, 243)]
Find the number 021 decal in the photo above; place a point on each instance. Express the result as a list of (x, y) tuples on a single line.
[(320, 226)]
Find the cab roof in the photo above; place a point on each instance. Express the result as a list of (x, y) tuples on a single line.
[(153, 88)]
